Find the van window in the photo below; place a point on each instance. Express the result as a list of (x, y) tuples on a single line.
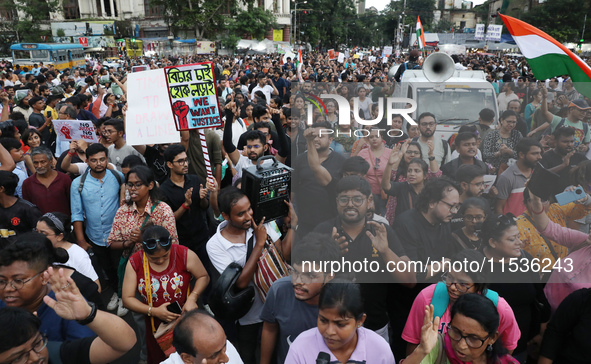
[(455, 105)]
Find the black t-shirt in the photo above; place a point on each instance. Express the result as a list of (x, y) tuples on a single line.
[(552, 159), (421, 239), (156, 162), (192, 226), (315, 203), (374, 294), (37, 120), (21, 217), (405, 196), (70, 352)]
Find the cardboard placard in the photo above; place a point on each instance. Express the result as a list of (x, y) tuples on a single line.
[(149, 117), (387, 51), (331, 54), (489, 181), (341, 58), (69, 130), (193, 96)]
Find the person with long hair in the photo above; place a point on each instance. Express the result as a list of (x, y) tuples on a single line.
[(340, 332), (474, 211), (500, 144), (472, 335), (169, 268), (377, 155)]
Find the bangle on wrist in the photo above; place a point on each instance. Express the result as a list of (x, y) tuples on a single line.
[(538, 212), (71, 154), (150, 311), (186, 207)]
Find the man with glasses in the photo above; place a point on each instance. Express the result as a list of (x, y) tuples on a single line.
[(291, 306), (432, 149), (119, 149), (187, 195), (362, 240), (255, 147), (471, 180), (22, 338), (425, 230), (94, 206)]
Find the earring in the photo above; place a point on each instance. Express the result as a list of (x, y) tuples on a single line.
[(489, 348)]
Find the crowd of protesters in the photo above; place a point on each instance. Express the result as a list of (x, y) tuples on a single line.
[(135, 230)]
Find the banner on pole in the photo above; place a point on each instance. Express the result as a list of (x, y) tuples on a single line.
[(479, 32), (493, 32), (193, 96), (70, 130)]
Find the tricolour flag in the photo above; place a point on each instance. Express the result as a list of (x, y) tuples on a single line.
[(547, 57), (420, 34), (299, 64)]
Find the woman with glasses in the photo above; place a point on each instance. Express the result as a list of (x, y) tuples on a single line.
[(500, 144), (340, 333), (472, 335), (169, 267), (377, 155), (454, 285), (515, 278), (474, 211), (144, 205), (402, 154)]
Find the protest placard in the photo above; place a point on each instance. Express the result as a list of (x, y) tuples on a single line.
[(387, 51), (149, 118), (493, 32), (489, 181), (341, 58), (193, 96), (479, 32), (69, 130), (331, 54)]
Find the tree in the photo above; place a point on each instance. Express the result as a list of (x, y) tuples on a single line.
[(28, 27), (553, 18), (255, 22), (329, 24), (443, 26)]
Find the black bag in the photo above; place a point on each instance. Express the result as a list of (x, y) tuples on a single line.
[(225, 300)]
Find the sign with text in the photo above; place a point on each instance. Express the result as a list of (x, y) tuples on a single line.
[(493, 32), (83, 41), (387, 51), (193, 96), (479, 32), (341, 58), (331, 54), (149, 118), (69, 130)]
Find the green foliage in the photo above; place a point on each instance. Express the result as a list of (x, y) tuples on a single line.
[(254, 21), (330, 23), (28, 28), (443, 26), (414, 8), (554, 18)]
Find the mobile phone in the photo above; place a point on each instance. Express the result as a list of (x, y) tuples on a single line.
[(175, 308), (570, 196), (48, 114)]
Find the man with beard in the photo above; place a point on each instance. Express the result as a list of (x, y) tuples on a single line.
[(295, 133), (564, 156), (47, 188), (467, 148), (186, 194), (93, 209), (471, 180), (425, 230), (230, 244), (317, 173), (367, 241), (291, 306), (511, 183), (441, 153), (113, 133), (256, 146)]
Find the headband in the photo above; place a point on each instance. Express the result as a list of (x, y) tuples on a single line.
[(58, 224)]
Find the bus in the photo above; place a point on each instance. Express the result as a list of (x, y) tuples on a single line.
[(60, 55)]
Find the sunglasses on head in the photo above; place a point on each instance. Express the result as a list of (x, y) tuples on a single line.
[(151, 244)]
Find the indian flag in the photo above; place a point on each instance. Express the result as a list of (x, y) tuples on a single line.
[(547, 57), (299, 63), (420, 34)]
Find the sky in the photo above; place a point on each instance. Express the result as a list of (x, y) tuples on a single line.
[(381, 4)]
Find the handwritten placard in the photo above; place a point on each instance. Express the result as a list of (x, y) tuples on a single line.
[(193, 96), (149, 118), (69, 130)]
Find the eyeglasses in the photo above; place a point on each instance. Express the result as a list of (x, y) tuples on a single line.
[(472, 341), (136, 185), (38, 346), (304, 277), (474, 218), (452, 208), (17, 283), (151, 244), (479, 184), (344, 200), (448, 280), (180, 162), (427, 124), (255, 146), (109, 132), (505, 220)]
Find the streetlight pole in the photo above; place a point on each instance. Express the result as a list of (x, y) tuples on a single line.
[(295, 20)]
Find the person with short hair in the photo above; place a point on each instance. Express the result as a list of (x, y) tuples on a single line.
[(564, 157), (471, 180), (199, 338), (47, 188), (486, 118), (16, 215), (14, 148), (291, 306), (467, 147), (432, 149), (113, 133)]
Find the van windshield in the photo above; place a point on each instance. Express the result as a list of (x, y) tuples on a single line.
[(454, 105)]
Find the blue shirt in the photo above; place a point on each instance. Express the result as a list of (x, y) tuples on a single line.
[(57, 328), (97, 205)]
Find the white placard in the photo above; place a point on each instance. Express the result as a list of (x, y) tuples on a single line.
[(479, 32), (341, 58), (384, 59), (372, 58), (493, 32), (387, 51), (489, 181), (149, 117), (69, 130)]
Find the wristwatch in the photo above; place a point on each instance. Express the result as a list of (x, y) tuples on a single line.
[(90, 317), (431, 159)]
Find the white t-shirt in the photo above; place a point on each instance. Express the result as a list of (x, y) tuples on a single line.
[(222, 252), (245, 162), (267, 90), (80, 261), (231, 352)]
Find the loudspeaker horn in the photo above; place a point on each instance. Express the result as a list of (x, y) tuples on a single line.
[(438, 67)]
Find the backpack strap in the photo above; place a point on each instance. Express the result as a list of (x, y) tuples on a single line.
[(443, 144), (117, 176), (82, 179), (440, 299), (493, 296)]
